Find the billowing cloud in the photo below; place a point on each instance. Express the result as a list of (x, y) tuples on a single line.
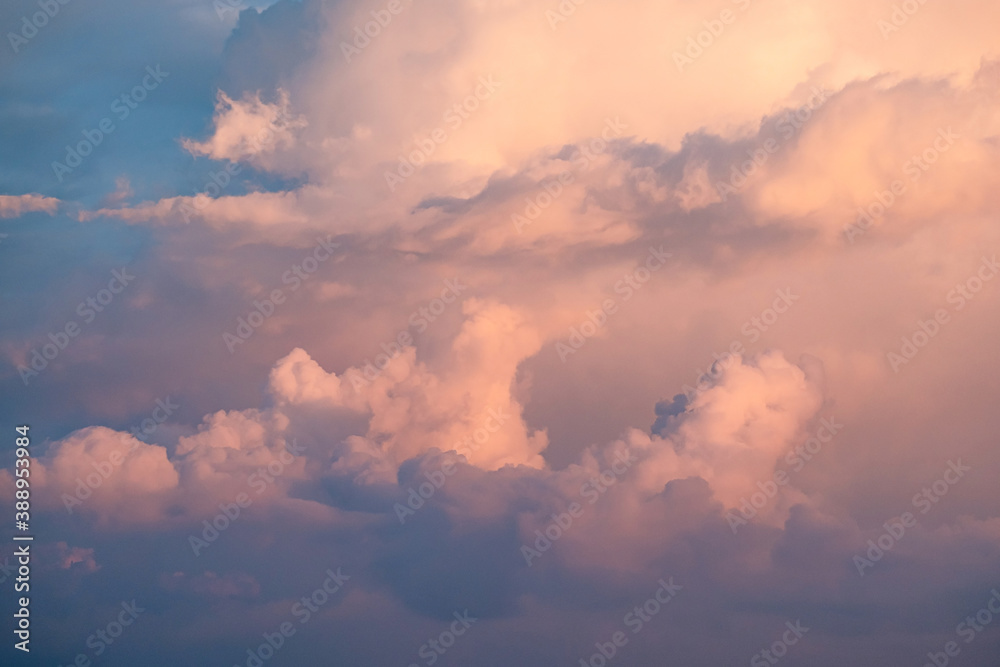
[(522, 312)]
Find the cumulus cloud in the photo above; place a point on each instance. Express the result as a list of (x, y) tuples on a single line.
[(107, 474), (454, 459), (733, 433)]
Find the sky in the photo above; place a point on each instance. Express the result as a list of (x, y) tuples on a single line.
[(501, 332)]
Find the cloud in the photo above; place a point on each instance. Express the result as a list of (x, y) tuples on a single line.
[(105, 474), (247, 128), (13, 206), (733, 433), (469, 408), (436, 444)]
